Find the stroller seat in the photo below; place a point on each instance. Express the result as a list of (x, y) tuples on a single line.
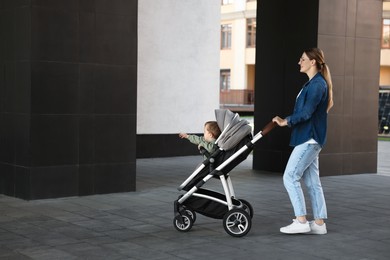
[(217, 158)]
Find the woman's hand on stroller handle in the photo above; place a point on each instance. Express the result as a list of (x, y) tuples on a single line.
[(271, 125), (280, 121)]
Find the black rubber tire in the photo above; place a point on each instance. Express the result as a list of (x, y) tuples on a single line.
[(186, 225), (192, 214), (237, 222), (247, 207)]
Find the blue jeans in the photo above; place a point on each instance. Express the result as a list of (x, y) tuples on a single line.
[(303, 164)]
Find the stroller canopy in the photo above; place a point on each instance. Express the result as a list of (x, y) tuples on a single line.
[(233, 128)]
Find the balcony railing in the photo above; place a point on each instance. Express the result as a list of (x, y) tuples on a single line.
[(237, 99), (384, 111)]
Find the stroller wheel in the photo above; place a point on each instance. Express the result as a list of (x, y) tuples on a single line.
[(247, 207), (183, 222), (192, 214), (237, 222)]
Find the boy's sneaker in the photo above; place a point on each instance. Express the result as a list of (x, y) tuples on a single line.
[(296, 228), (317, 229)]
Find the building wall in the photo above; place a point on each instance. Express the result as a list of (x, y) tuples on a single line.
[(178, 73), (385, 57), (384, 76), (68, 87), (238, 75), (277, 79), (239, 55), (349, 33)]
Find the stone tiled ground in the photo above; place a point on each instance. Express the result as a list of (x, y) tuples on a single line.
[(138, 225)]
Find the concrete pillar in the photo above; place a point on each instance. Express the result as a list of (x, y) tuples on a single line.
[(349, 32), (68, 97)]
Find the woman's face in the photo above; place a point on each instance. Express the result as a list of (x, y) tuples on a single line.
[(305, 63)]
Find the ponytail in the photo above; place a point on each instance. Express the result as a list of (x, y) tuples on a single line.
[(318, 55), (328, 78)]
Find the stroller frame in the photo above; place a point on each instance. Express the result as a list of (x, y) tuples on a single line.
[(237, 213)]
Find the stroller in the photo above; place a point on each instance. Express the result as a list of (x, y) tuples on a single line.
[(235, 144)]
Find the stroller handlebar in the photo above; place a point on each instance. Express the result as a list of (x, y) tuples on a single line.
[(271, 125)]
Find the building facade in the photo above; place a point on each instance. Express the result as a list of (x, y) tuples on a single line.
[(87, 87), (238, 52)]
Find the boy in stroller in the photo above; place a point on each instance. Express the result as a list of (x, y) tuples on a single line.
[(211, 132)]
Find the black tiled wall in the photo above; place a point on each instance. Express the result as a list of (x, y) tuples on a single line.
[(278, 79), (165, 145), (68, 75)]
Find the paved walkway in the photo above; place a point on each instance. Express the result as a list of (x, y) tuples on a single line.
[(138, 225)]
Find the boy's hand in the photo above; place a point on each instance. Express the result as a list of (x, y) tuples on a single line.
[(183, 135)]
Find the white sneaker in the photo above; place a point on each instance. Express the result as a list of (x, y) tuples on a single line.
[(296, 228), (316, 229)]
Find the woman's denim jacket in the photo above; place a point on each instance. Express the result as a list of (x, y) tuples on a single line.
[(309, 119)]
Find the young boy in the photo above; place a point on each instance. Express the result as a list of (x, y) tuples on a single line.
[(207, 141)]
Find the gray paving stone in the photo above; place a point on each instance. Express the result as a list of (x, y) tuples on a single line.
[(45, 253), (138, 225)]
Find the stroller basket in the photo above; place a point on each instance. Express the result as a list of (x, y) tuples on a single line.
[(207, 207)]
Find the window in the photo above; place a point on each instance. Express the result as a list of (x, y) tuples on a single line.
[(224, 80), (251, 33), (227, 2), (226, 36), (384, 110), (386, 34)]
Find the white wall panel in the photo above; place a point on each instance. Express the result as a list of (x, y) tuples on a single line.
[(178, 65)]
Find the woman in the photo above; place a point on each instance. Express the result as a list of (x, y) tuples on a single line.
[(308, 136)]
